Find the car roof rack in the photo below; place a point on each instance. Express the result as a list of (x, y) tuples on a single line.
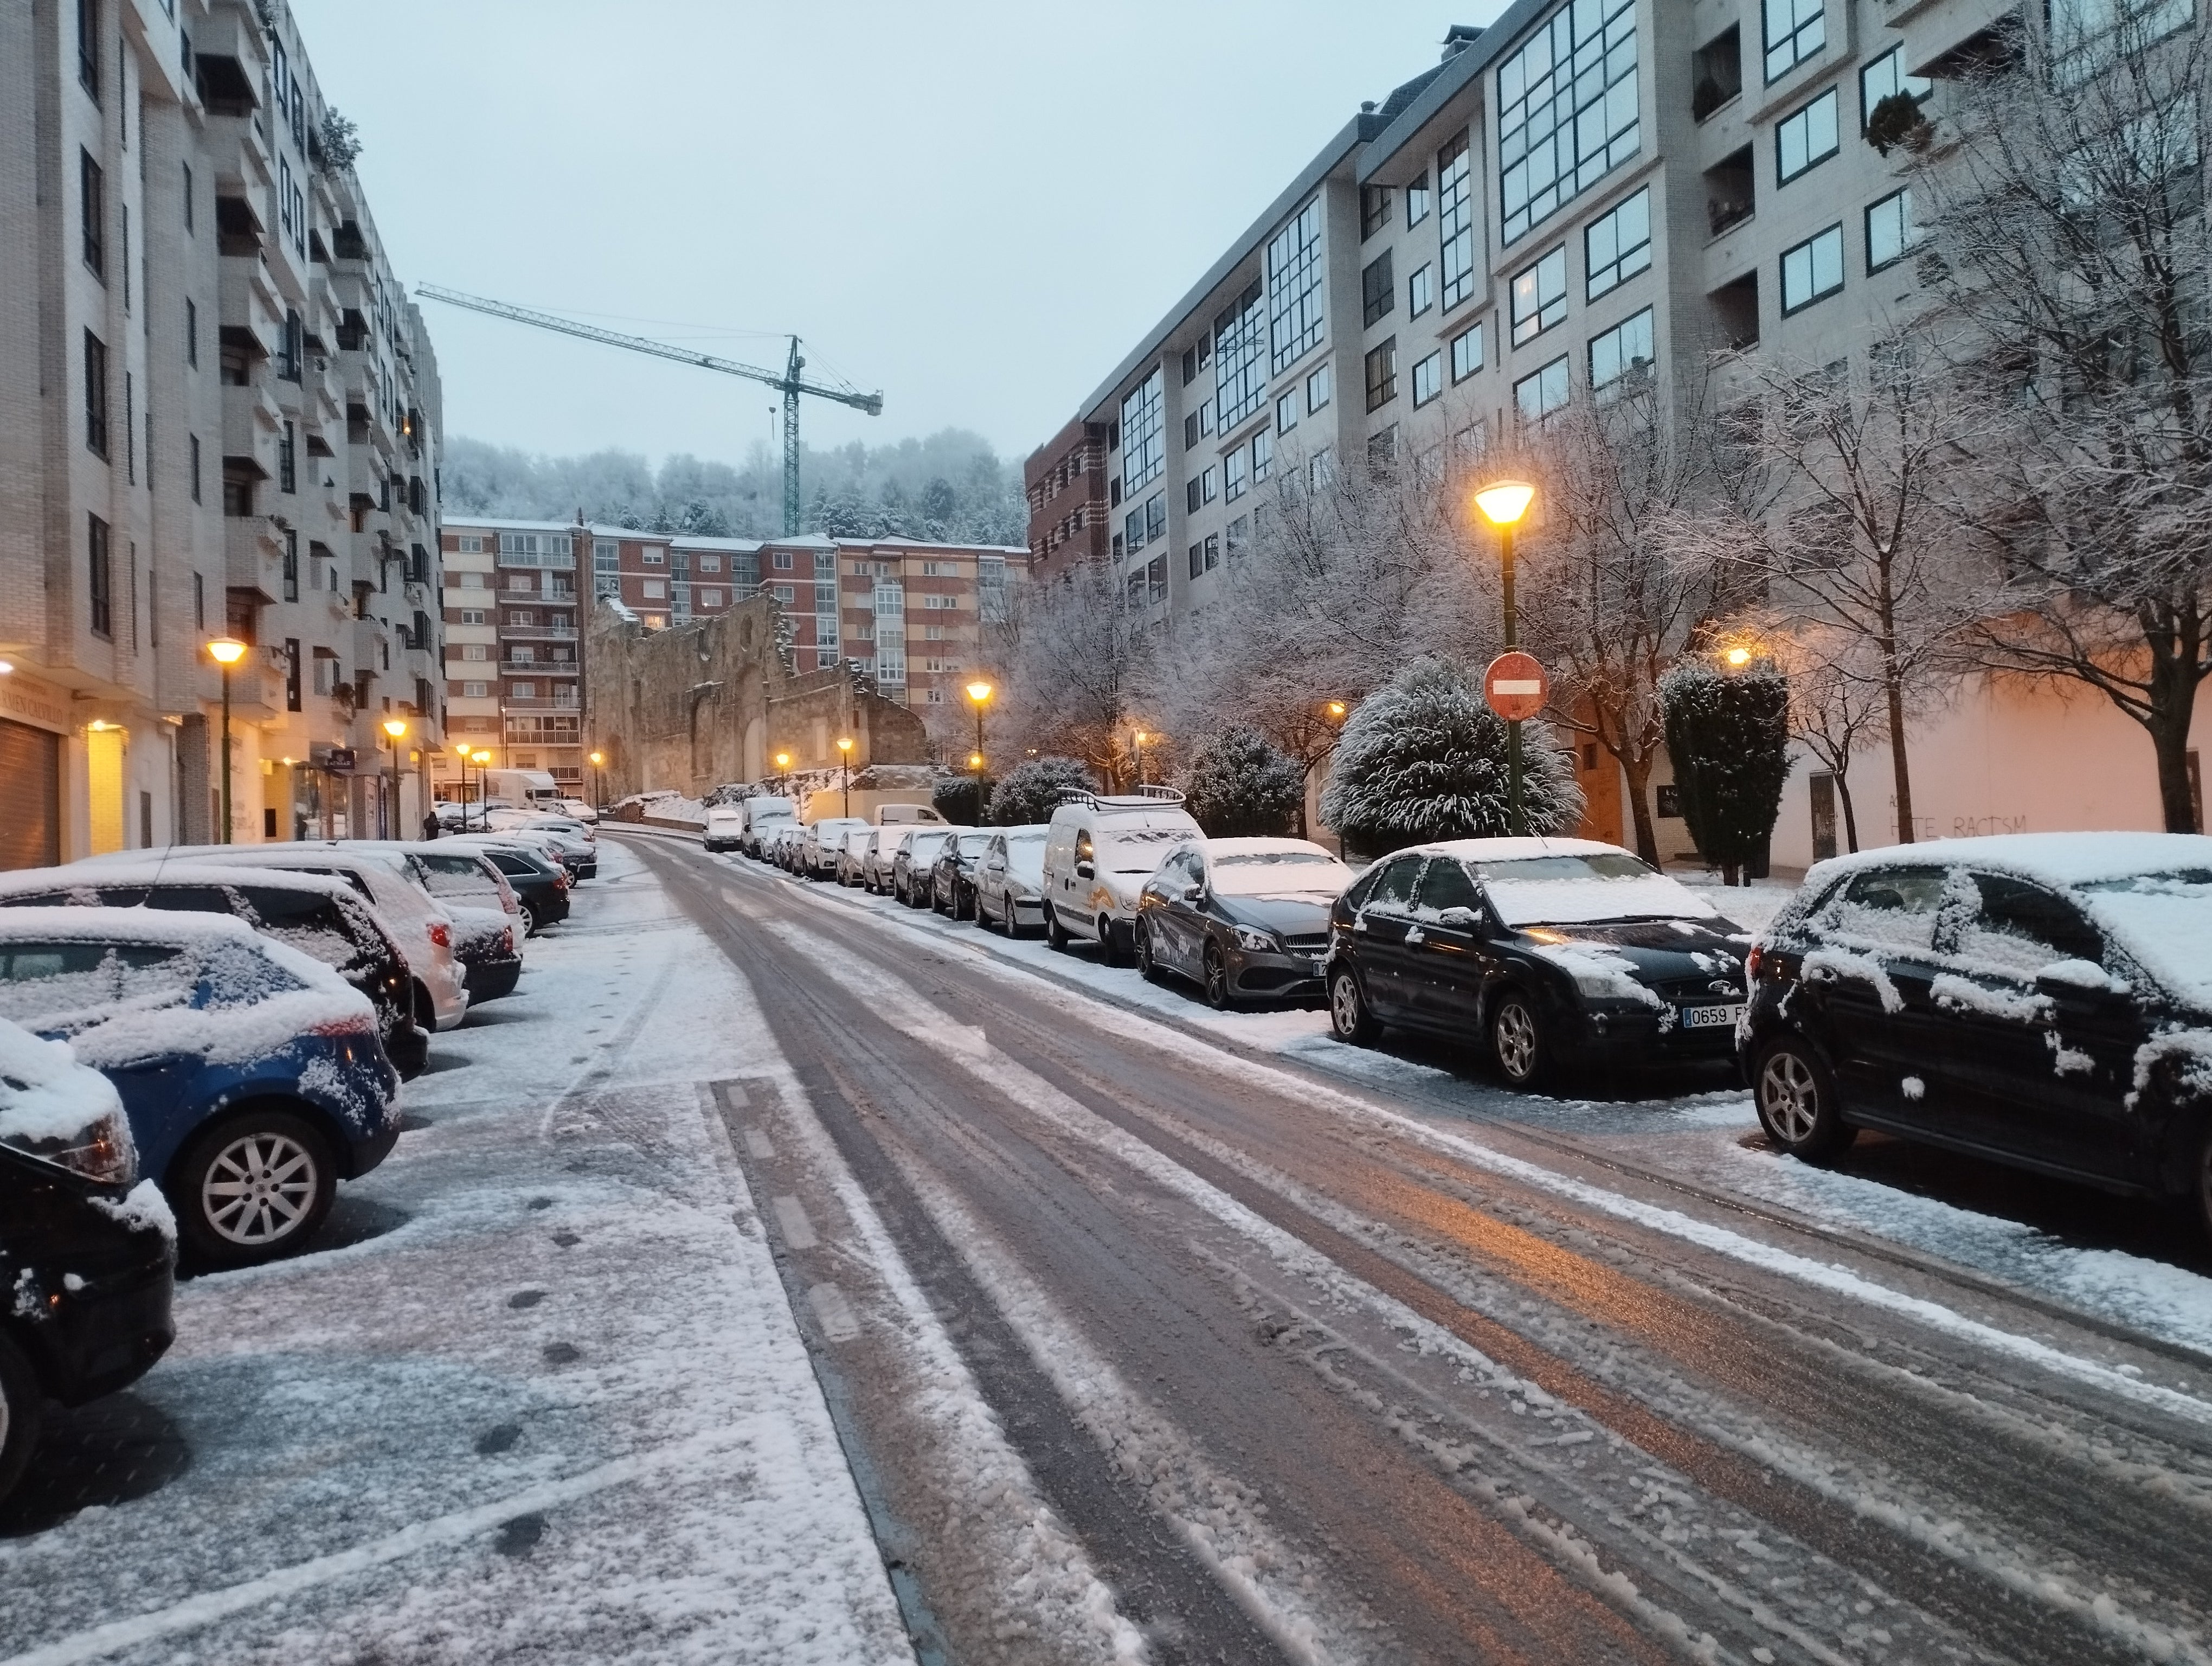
[(1147, 797)]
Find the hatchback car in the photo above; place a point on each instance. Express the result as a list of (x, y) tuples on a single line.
[(1010, 880), (780, 842), (818, 849), (2043, 999), (1555, 955), (952, 875), (1241, 918), (853, 853), (911, 869), (541, 885), (88, 1261), (877, 867), (252, 1075)]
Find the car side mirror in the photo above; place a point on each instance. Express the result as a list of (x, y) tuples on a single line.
[(2079, 978), (1085, 871), (1459, 920), (1194, 892)]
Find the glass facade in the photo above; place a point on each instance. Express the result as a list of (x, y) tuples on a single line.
[(1144, 436), (1297, 319), (1239, 358), (1456, 222), (1616, 245), (1566, 109)]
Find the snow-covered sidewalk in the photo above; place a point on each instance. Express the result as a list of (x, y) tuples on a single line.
[(547, 1403)]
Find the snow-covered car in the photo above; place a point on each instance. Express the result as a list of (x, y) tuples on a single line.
[(1241, 918), (883, 855), (1559, 954), (952, 875), (488, 922), (1010, 880), (574, 845), (917, 856), (725, 828), (316, 914), (581, 810), (540, 884), (252, 1075), (2045, 1000), (1098, 853), (88, 1257), (818, 849), (781, 842), (763, 815), (853, 854)]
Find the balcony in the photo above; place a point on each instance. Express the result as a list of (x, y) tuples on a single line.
[(572, 706), (540, 667)]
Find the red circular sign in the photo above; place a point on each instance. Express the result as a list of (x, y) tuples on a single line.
[(1516, 686)]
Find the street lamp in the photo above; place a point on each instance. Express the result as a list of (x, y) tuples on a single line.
[(226, 652), (395, 728), (979, 696), (1141, 738), (598, 784), (483, 817), (783, 770), (1503, 503), (1737, 657), (845, 746)]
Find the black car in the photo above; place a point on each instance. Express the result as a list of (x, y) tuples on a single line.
[(1241, 918), (317, 915), (2045, 1000), (952, 875), (89, 1268), (540, 884), (1555, 955), (911, 880)]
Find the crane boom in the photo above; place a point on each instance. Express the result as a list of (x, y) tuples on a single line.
[(789, 384)]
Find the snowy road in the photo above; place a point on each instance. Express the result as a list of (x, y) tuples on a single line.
[(1292, 1353)]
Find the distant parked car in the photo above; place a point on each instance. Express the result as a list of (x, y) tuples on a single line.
[(818, 851), (764, 814), (88, 1262), (488, 920), (1010, 880), (1241, 918), (853, 854), (779, 844), (250, 1074), (952, 875), (315, 913), (540, 884), (2042, 1000), (725, 828), (1098, 853), (911, 869), (883, 855), (1557, 954)]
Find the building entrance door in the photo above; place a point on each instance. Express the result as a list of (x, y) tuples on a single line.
[(31, 787)]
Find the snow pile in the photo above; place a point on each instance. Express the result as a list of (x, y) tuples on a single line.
[(1829, 965), (1572, 881), (1964, 995), (49, 1101), (662, 807), (144, 1209)]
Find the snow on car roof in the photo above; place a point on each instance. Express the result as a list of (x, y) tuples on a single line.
[(72, 875), (1507, 850), (2056, 858), (1217, 848), (46, 1095)]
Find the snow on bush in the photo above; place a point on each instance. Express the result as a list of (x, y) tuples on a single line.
[(1240, 787), (1423, 759), (1727, 734), (1031, 792)]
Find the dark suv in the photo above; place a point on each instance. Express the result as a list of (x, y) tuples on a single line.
[(2043, 1000)]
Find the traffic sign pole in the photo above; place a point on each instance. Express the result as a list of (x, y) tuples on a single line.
[(1516, 819), (1516, 689)]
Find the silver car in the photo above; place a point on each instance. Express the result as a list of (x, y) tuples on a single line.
[(1010, 881), (883, 854), (853, 854)]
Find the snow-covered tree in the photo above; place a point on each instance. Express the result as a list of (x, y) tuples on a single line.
[(1073, 656), (1031, 791), (1837, 705), (1727, 733), (1238, 785), (1423, 758)]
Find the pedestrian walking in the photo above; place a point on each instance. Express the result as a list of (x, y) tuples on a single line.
[(430, 828)]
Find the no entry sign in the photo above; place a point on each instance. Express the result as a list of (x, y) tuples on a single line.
[(1516, 686)]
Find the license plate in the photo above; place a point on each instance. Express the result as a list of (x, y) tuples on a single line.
[(1710, 1017)]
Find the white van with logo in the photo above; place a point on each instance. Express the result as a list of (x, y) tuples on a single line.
[(1098, 852)]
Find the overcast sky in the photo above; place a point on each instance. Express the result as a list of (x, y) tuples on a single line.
[(976, 208)]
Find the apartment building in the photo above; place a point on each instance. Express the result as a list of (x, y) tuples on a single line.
[(221, 419), (668, 580), (1065, 479)]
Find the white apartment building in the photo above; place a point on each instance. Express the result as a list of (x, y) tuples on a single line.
[(1581, 188), (221, 417)]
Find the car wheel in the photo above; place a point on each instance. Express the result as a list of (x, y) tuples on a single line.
[(1055, 935), (1147, 967), (1111, 950), (1516, 1041), (1797, 1103), (1219, 996), (1349, 1019), (1010, 922), (252, 1187), (21, 1406), (529, 918)]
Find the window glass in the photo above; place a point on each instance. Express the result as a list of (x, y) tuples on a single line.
[(1420, 292), (1617, 245), (1394, 888), (1240, 360), (1317, 390), (1377, 289), (1889, 907), (1566, 111), (1417, 202), (236, 974), (1625, 348), (1144, 440), (1537, 396), (1886, 75), (1806, 137), (1286, 411), (1466, 353), (1428, 379), (1456, 222), (1382, 374), (1889, 230), (1539, 296), (1446, 884), (1796, 30), (1813, 270), (1295, 318), (2023, 928)]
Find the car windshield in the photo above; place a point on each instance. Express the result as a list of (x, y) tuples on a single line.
[(1279, 873), (2164, 921), (974, 844), (1025, 855), (1582, 887)]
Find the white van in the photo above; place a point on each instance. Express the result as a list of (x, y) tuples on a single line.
[(1098, 852), (725, 827), (761, 816), (902, 815)]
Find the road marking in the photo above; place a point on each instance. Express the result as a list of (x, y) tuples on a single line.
[(757, 1144), (797, 1230), (836, 1313)]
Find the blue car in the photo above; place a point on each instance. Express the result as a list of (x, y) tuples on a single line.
[(252, 1076)]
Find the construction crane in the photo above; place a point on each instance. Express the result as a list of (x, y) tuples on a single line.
[(789, 383)]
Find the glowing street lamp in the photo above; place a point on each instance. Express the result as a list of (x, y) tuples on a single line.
[(979, 696), (226, 652), (483, 817), (394, 727), (1737, 657), (783, 770), (1502, 503), (845, 746), (1141, 737), (598, 783)]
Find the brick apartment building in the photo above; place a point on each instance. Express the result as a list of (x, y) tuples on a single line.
[(222, 417), (1069, 497)]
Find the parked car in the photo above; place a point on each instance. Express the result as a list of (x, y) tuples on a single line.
[(725, 828), (382, 877), (952, 875), (818, 851), (908, 815), (250, 1074), (853, 854), (883, 855), (1010, 880), (1098, 852), (574, 845), (779, 844), (318, 915), (1241, 918), (540, 884), (763, 814), (910, 868), (2043, 1000), (1550, 953), (488, 920), (86, 1253)]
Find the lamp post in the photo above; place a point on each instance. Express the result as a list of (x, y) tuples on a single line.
[(1503, 503), (845, 747), (226, 652), (979, 696), (395, 728), (484, 816), (598, 784), (1141, 737), (783, 770)]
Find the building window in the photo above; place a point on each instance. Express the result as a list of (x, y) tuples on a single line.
[(1197, 558), (195, 450), (1377, 289), (1238, 534), (1617, 245), (1295, 318), (87, 45), (1539, 296), (782, 562), (1143, 438), (1428, 379), (1420, 292), (288, 459), (93, 193), (1417, 202), (1455, 221), (1566, 111), (1321, 470), (191, 332), (471, 544), (1885, 76), (1805, 137), (522, 690), (1383, 374), (1466, 353), (1286, 411), (99, 577), (291, 673), (1796, 30), (1210, 484), (95, 394), (1234, 469), (1213, 551), (1374, 209), (1813, 270), (657, 590), (1620, 351), (291, 565), (1263, 455), (188, 198), (710, 598), (710, 563), (1889, 230), (1319, 391), (1537, 396)]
